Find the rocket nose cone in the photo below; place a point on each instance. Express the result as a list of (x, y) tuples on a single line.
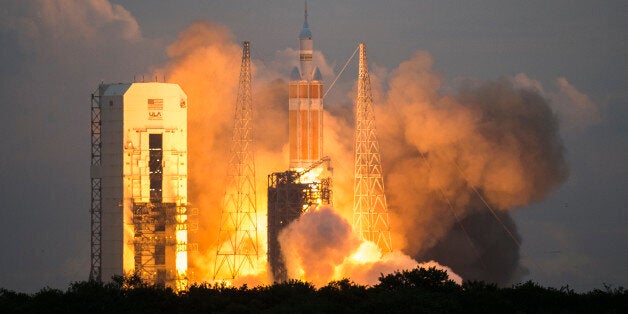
[(306, 33)]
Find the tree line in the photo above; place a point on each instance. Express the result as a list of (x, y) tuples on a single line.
[(420, 290)]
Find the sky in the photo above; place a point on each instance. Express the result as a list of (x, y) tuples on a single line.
[(55, 53)]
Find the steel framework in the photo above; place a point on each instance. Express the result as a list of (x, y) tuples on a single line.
[(238, 250), (370, 209), (95, 271), (150, 241), (153, 224), (156, 224), (288, 198)]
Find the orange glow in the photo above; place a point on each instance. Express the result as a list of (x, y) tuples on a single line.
[(368, 252), (211, 97), (181, 259)]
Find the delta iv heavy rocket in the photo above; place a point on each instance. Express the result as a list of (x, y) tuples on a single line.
[(305, 106)]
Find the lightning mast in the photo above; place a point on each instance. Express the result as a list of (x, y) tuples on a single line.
[(237, 239), (370, 209)]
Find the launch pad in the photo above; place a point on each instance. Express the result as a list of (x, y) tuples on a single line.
[(140, 217)]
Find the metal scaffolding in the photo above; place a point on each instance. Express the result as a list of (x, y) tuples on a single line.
[(151, 241), (370, 209), (238, 250), (154, 225), (95, 271), (288, 198)]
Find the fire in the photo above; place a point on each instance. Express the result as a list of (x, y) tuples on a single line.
[(367, 253), (310, 175), (249, 275), (182, 253)]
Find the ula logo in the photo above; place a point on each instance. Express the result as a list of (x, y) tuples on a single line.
[(155, 109)]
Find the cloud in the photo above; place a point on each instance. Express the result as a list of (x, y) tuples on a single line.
[(49, 28)]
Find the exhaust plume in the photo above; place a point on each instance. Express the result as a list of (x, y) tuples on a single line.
[(321, 246)]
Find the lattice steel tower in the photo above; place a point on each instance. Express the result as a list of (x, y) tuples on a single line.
[(95, 271), (237, 240), (370, 210)]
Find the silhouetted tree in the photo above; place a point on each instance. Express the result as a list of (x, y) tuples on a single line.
[(417, 290)]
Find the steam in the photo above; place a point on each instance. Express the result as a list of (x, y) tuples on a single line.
[(321, 246)]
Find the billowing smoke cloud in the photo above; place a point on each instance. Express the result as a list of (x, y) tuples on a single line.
[(454, 162), (575, 110), (317, 242), (478, 247), (321, 246)]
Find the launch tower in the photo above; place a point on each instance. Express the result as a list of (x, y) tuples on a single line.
[(139, 183), (290, 194)]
